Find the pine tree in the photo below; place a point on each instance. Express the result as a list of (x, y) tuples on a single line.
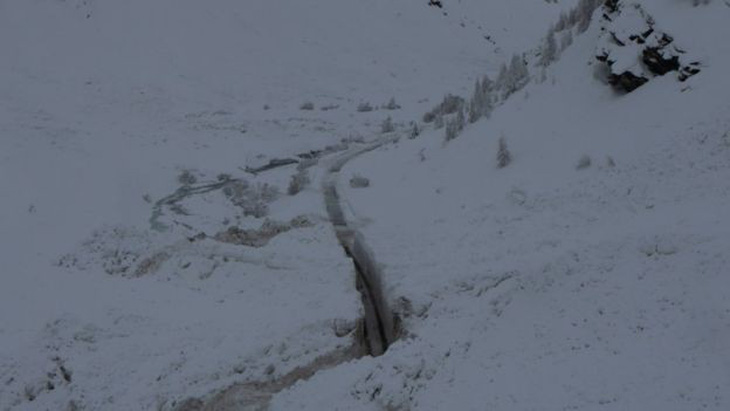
[(513, 78), (452, 129), (504, 157), (487, 85), (562, 23), (502, 76), (585, 11), (415, 131), (460, 121), (480, 104), (549, 50), (567, 40), (475, 103), (438, 122)]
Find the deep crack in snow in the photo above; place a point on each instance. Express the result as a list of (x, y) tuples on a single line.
[(380, 325)]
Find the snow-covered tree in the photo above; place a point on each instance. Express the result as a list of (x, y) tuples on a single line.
[(415, 131), (451, 130), (562, 23), (460, 121), (438, 122), (504, 157), (549, 50), (513, 77), (566, 40), (480, 104), (584, 13), (391, 105)]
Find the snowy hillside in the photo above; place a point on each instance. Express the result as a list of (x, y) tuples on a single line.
[(181, 177)]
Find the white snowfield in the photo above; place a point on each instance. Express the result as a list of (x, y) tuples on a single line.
[(142, 268)]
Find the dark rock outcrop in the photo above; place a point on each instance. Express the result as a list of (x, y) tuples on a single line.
[(657, 63), (626, 81), (635, 50)]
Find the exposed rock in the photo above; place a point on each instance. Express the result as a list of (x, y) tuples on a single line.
[(611, 6), (626, 81), (688, 71), (635, 50), (655, 61)]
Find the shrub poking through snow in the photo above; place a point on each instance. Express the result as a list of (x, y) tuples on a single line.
[(307, 105), (392, 105), (187, 178), (415, 130), (504, 157), (358, 181), (298, 182), (387, 126), (329, 107), (583, 162), (364, 107), (260, 237), (610, 162), (253, 199)]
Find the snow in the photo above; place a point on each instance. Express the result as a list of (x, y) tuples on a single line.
[(542, 285)]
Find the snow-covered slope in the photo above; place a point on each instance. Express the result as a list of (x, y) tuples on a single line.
[(588, 274)]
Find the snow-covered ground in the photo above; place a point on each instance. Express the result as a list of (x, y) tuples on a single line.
[(558, 283), (139, 270)]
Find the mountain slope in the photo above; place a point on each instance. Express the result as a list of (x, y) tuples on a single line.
[(144, 266), (587, 274)]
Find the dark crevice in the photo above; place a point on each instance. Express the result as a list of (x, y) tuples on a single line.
[(380, 324), (380, 328), (376, 344)]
